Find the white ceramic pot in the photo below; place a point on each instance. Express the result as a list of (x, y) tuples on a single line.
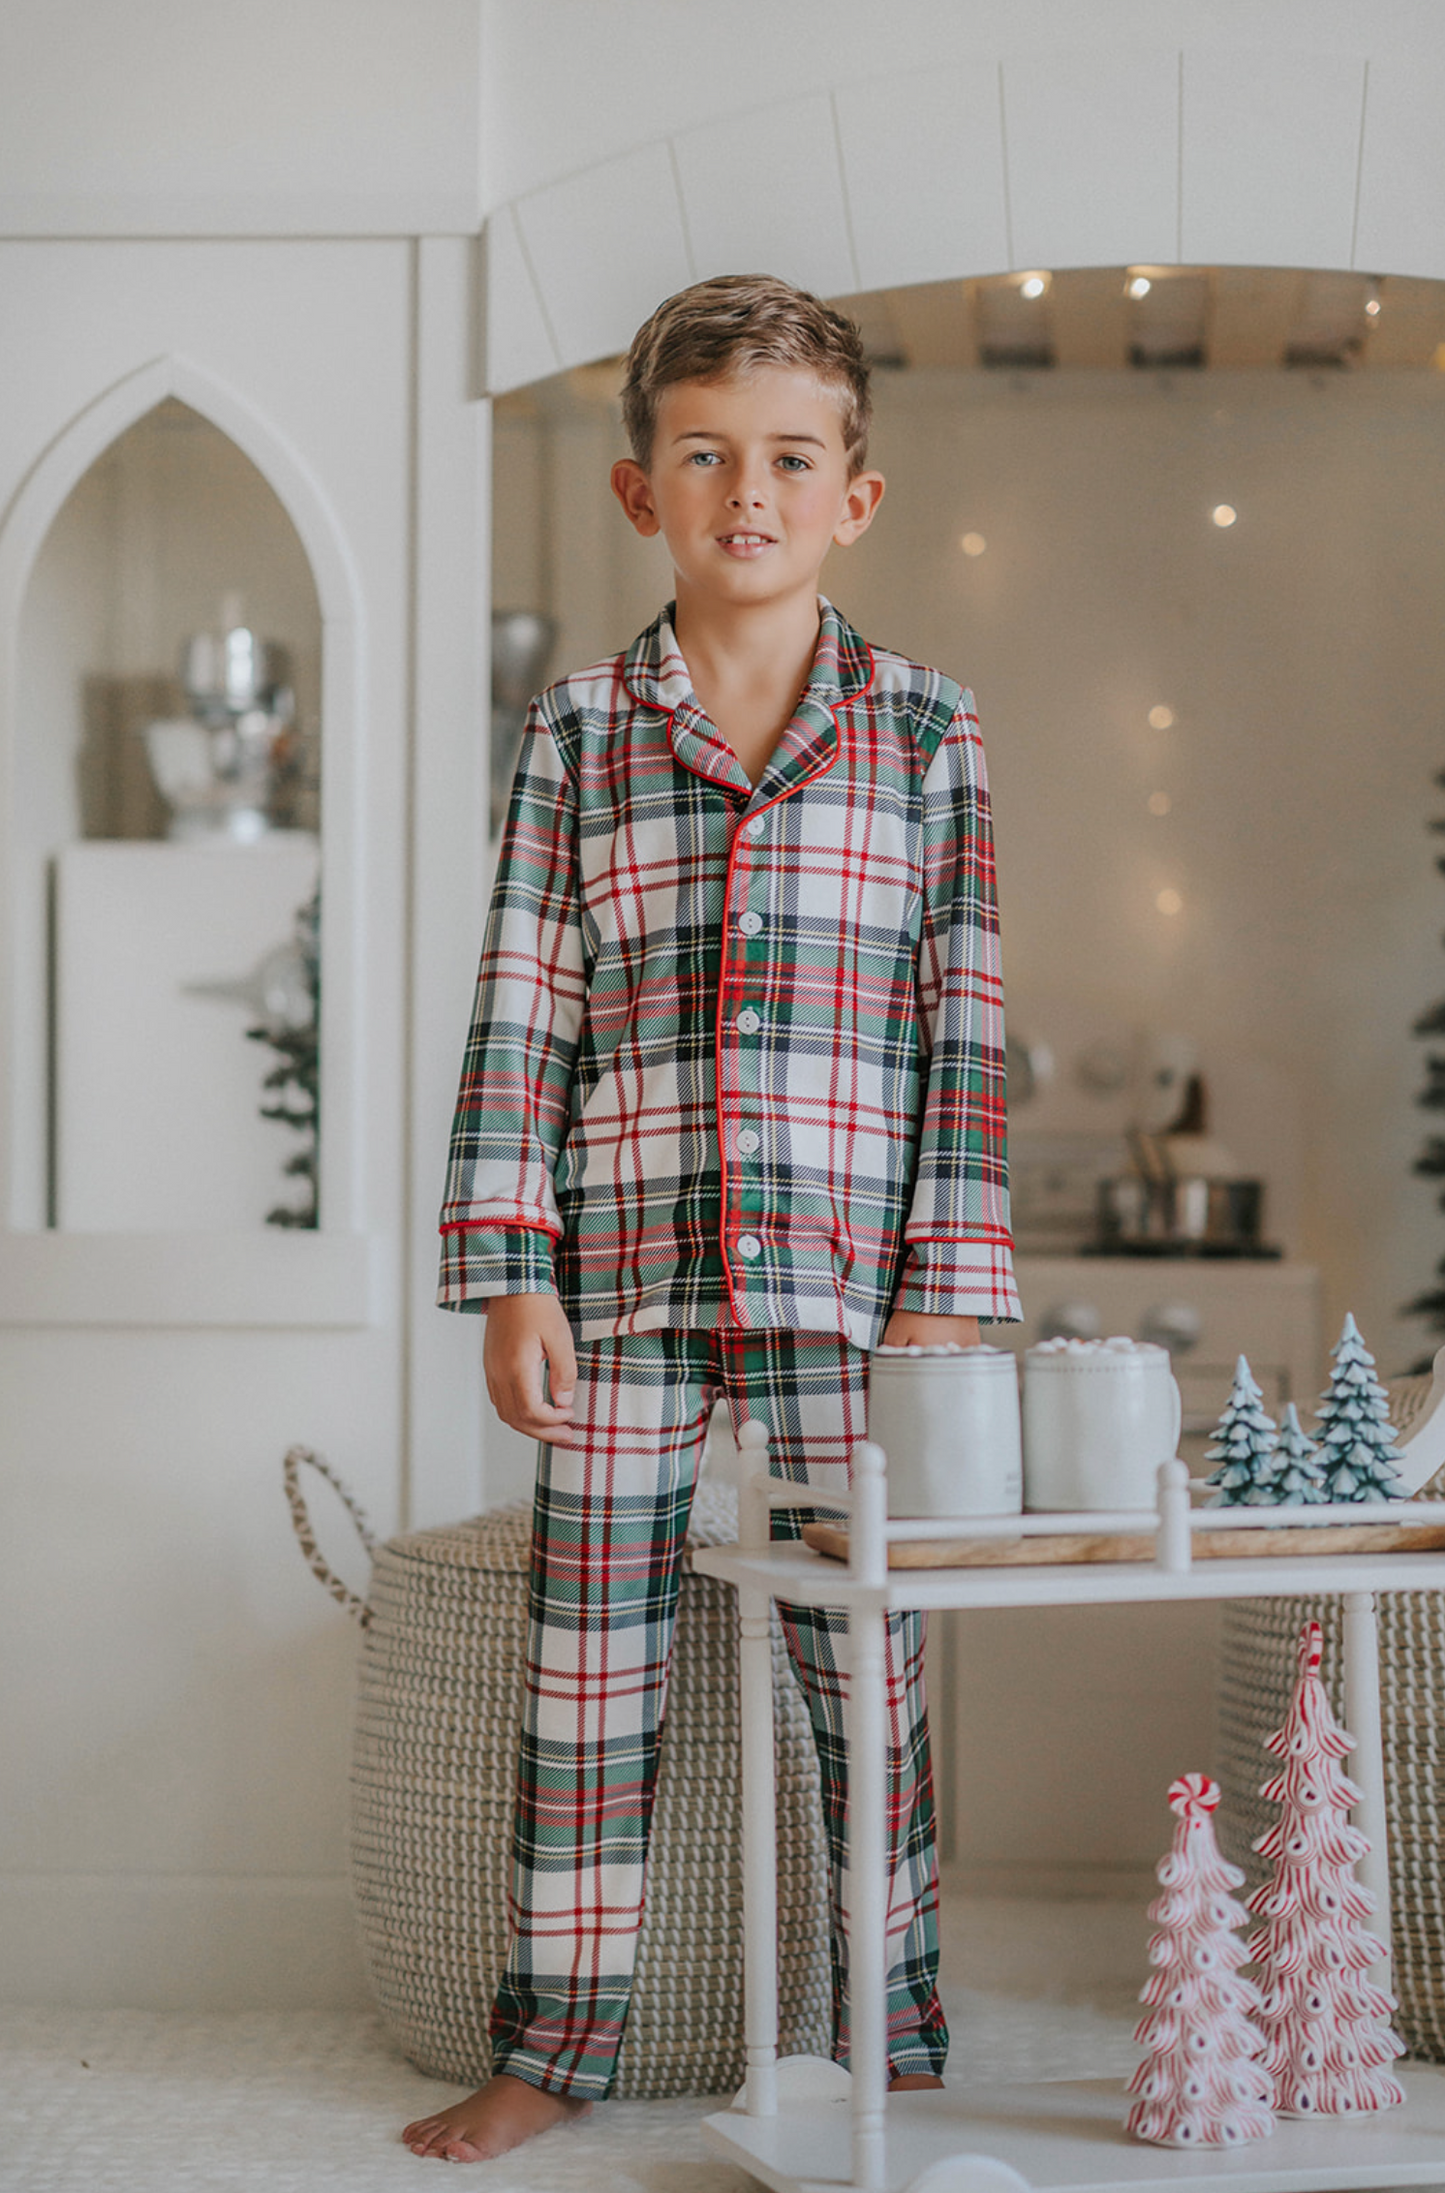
[(948, 1421), (1099, 1418)]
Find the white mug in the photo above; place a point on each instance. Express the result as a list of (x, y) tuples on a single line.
[(1099, 1418), (947, 1420)]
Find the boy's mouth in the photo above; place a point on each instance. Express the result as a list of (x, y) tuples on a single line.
[(744, 544)]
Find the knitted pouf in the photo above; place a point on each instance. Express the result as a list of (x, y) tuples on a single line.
[(1256, 1675), (438, 1731)]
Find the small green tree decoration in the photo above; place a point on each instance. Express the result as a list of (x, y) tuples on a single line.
[(1244, 1440), (1297, 1473), (294, 1033), (1356, 1438)]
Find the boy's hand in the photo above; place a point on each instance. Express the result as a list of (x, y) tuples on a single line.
[(527, 1333), (911, 1329)]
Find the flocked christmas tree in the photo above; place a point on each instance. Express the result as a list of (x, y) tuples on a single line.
[(1243, 1446), (1297, 1473), (1200, 2084), (1326, 2023), (1356, 1438)]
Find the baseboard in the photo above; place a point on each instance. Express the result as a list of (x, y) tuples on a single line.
[(193, 1942)]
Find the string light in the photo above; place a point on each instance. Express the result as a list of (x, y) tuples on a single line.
[(1140, 286), (1160, 718), (973, 544), (1159, 803), (1033, 285), (1224, 514), (1169, 902)]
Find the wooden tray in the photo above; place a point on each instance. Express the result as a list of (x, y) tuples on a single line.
[(1043, 1552)]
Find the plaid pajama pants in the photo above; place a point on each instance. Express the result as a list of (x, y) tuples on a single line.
[(610, 1521)]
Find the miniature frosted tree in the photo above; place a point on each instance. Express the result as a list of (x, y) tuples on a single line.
[(1356, 1438), (1199, 2085), (1297, 1473), (1329, 2043), (1243, 1446)]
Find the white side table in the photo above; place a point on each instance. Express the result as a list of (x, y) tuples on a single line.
[(1064, 2136)]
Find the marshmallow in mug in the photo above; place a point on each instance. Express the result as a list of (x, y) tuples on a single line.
[(1099, 1418), (1120, 1343), (947, 1419)]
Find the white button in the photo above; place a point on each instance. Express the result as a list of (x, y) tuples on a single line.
[(749, 924), (748, 1021), (747, 1142), (753, 829), (749, 1246)]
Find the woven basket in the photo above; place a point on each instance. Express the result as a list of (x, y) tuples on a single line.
[(439, 1711), (1256, 1674)]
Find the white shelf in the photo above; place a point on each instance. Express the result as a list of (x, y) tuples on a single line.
[(1067, 2136), (1054, 2136), (795, 1573), (259, 1278)]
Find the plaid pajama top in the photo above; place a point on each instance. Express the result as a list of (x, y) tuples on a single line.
[(737, 1051)]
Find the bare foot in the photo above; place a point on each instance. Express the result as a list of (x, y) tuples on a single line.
[(500, 2115), (908, 2081)]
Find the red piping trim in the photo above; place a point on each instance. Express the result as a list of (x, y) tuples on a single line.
[(500, 1226), (824, 766), (990, 1236)]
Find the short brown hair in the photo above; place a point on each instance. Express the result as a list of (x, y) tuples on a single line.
[(729, 325)]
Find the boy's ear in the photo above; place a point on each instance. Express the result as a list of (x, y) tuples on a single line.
[(865, 493), (633, 490)]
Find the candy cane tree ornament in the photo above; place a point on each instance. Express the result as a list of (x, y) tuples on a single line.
[(1199, 2085), (1326, 2023)]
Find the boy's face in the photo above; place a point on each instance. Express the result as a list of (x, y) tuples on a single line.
[(749, 485)]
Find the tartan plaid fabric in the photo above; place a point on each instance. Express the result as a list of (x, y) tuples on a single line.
[(737, 1052), (609, 1523)]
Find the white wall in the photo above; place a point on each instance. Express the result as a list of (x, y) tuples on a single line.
[(339, 117)]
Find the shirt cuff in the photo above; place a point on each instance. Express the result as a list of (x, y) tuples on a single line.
[(479, 1262), (961, 1279)]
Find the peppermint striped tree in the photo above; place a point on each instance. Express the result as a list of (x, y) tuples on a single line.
[(1199, 2084)]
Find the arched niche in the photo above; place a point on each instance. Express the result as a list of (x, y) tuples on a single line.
[(109, 555)]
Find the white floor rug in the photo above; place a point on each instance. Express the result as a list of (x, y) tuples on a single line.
[(125, 2101)]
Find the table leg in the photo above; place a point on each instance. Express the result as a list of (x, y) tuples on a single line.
[(868, 1894), (759, 1794), (760, 1848), (1367, 1768)]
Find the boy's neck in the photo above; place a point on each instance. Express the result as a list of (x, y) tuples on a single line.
[(748, 663)]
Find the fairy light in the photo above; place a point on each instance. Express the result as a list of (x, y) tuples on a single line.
[(1224, 514), (1159, 803), (1169, 901), (973, 544), (1033, 285), (1140, 286), (1161, 718)]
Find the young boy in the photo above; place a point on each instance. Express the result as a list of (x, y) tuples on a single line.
[(732, 1111)]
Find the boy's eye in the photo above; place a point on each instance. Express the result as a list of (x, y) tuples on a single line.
[(792, 462), (704, 457)]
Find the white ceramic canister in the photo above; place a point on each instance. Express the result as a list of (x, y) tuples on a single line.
[(1099, 1418), (948, 1421)]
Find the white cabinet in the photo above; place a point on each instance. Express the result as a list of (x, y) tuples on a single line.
[(158, 1091)]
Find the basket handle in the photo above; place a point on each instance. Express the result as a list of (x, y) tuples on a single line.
[(355, 1606)]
